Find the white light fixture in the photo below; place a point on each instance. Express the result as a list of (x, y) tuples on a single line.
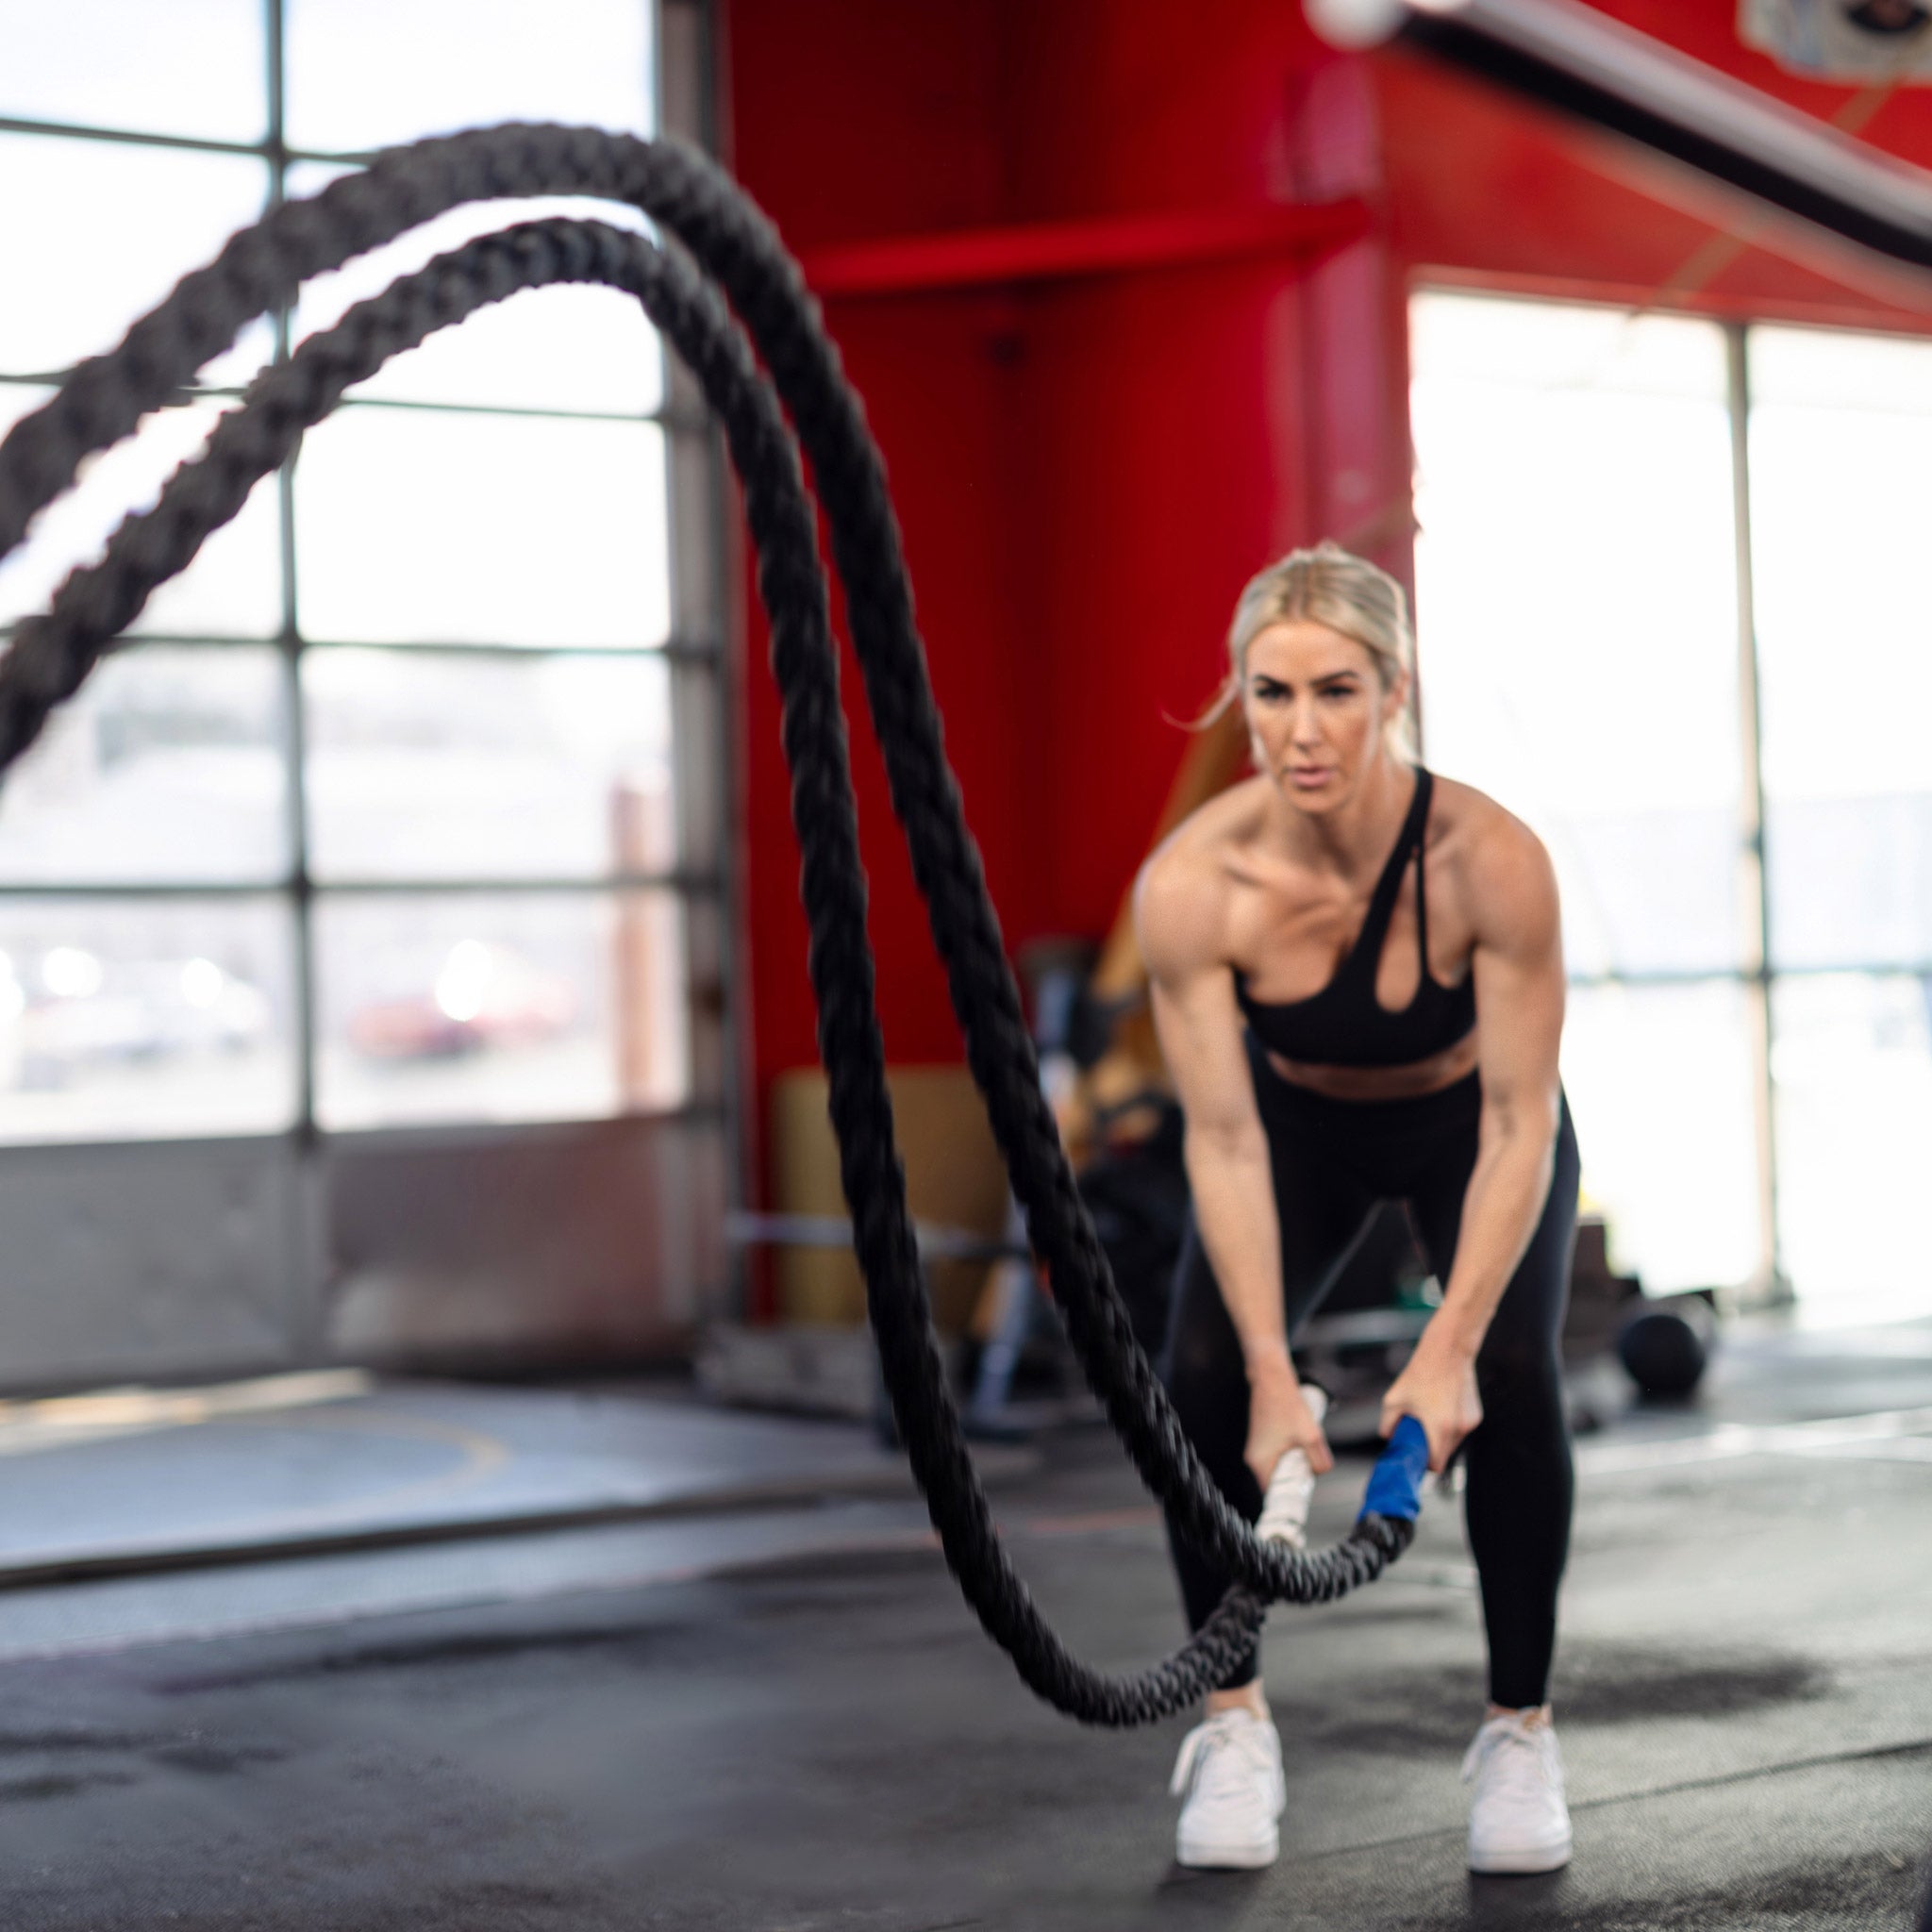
[(1356, 23)]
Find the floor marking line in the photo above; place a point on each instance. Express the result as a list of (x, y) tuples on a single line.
[(257, 1536), (1914, 1748), (35, 1425), (727, 1566)]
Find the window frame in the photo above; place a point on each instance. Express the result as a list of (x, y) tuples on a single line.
[(695, 651), (1758, 970)]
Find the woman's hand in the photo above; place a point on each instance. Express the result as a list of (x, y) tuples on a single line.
[(1437, 1388), (1279, 1418)]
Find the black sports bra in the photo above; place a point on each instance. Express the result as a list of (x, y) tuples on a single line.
[(1345, 1025)]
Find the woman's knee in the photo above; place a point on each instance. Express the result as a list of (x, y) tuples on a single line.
[(1522, 1398), (1518, 1365)]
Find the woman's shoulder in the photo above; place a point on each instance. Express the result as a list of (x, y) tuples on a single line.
[(1182, 892), (1210, 846), (1486, 849), (1463, 816)]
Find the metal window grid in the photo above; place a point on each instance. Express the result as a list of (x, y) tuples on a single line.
[(688, 434)]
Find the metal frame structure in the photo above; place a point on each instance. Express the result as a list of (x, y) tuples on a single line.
[(1565, 56)]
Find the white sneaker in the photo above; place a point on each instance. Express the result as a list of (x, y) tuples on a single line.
[(1518, 1821), (1229, 1779)]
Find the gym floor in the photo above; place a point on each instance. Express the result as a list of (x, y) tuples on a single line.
[(755, 1699)]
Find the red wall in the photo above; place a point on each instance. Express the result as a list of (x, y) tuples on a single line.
[(1087, 470)]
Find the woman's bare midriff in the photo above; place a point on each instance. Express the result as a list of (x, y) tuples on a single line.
[(1411, 1082)]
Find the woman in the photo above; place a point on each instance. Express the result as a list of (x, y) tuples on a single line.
[(1338, 1037)]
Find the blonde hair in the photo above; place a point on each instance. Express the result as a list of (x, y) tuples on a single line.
[(1330, 586)]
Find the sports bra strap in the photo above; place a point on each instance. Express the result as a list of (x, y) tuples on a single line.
[(1422, 898), (1367, 953)]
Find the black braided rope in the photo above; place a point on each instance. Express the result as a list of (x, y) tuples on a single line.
[(260, 267), (252, 441)]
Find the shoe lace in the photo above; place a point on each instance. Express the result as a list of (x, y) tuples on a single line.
[(1526, 1754), (1233, 1736)]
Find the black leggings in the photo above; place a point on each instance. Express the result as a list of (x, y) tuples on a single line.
[(1333, 1161)]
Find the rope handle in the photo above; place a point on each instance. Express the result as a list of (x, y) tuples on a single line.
[(1284, 1517), (1396, 1483), (1394, 1488)]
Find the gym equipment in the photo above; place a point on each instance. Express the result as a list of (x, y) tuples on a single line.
[(261, 269), (1395, 1486), (1665, 1344), (1292, 1489)]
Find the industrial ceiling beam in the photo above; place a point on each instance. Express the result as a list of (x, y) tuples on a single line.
[(1566, 56)]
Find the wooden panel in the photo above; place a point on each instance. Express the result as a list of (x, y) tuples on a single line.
[(953, 1179)]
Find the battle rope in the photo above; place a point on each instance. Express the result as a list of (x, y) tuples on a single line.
[(261, 268)]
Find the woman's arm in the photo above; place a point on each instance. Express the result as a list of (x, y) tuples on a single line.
[(1178, 922), (1518, 964)]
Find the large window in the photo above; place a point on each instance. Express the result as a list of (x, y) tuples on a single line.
[(1671, 594), (389, 815)]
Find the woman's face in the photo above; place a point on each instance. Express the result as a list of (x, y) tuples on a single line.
[(1316, 712)]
